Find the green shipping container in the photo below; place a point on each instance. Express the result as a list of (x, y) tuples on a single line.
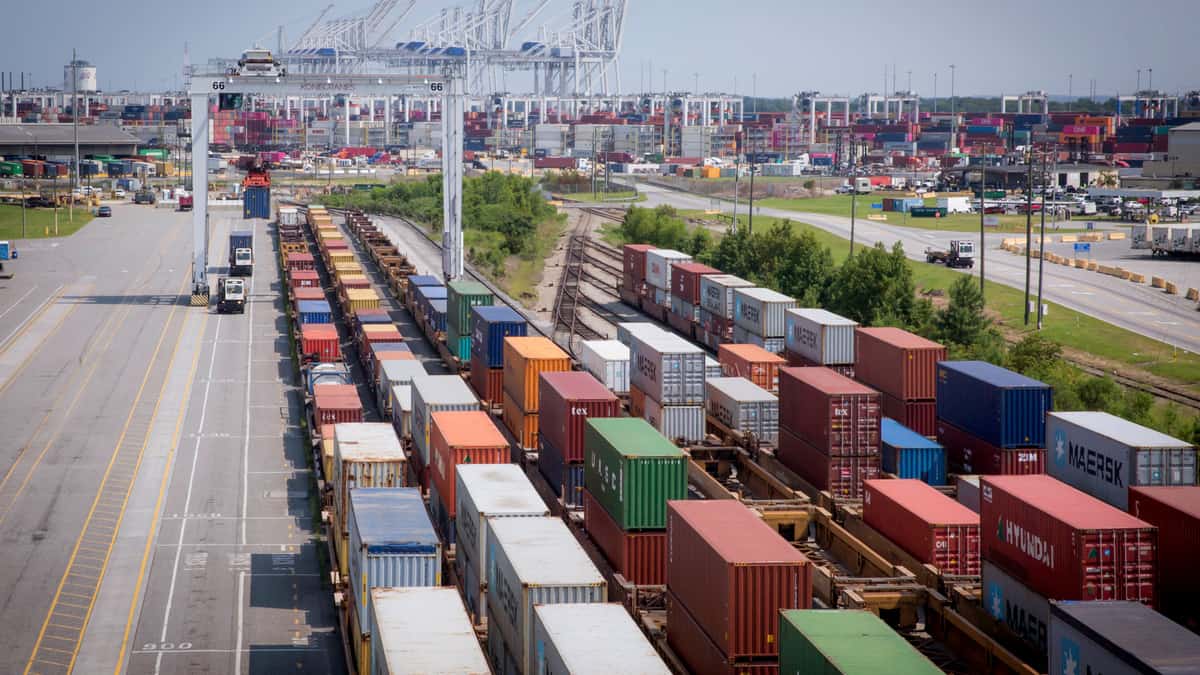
[(632, 470), (927, 212), (845, 642), (461, 296), (459, 345)]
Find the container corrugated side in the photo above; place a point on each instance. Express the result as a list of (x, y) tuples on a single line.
[(898, 363), (699, 653), (927, 524), (640, 557), (489, 326), (525, 358), (743, 406), (761, 311), (966, 491), (461, 296), (966, 454), (676, 422), (534, 561), (920, 416), (658, 266), (838, 416), (997, 405), (753, 363), (416, 631), (1118, 637), (566, 480), (459, 438), (820, 336), (523, 425), (607, 361), (592, 639), (847, 642), (908, 454), (632, 470), (1175, 511), (435, 393), (365, 455), (667, 368), (841, 476), (1013, 604), (566, 401), (716, 293)]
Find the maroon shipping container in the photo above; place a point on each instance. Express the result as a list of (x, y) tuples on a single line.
[(797, 361), (920, 416), (640, 557), (565, 401), (968, 454), (838, 416), (897, 363), (842, 476), (487, 382), (336, 404), (699, 653), (685, 280), (682, 324), (734, 574), (303, 279), (1064, 544), (634, 261), (299, 261), (921, 520), (1175, 511)]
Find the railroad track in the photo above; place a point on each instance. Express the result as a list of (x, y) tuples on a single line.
[(567, 298)]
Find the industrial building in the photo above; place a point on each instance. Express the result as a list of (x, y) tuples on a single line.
[(58, 140)]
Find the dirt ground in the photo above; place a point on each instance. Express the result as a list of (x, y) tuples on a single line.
[(547, 287)]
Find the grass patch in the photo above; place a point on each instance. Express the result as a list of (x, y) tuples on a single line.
[(524, 272), (628, 196), (39, 223)]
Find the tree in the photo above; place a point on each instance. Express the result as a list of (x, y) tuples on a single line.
[(963, 321), (1034, 354), (874, 287)]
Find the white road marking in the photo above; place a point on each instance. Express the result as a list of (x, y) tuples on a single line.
[(237, 659), (246, 425), (31, 314), (18, 301), (1082, 293)]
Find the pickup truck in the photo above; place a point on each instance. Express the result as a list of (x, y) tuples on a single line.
[(144, 197)]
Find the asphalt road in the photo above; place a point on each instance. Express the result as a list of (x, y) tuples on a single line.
[(1135, 307)]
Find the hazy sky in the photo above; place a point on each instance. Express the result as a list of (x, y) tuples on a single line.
[(839, 46)]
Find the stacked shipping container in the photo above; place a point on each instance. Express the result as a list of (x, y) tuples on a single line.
[(990, 419), (685, 296), (461, 296), (816, 337), (568, 400), (715, 323), (903, 368), (459, 437), (489, 327), (667, 383), (525, 358), (759, 317)]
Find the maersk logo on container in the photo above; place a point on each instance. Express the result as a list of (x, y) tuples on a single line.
[(1070, 657), (1030, 543), (804, 335), (647, 367), (1089, 461), (1020, 621), (748, 312)]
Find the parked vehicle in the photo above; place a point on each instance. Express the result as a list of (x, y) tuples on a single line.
[(104, 212), (144, 197), (185, 202)]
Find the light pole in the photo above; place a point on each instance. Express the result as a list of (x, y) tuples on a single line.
[(1028, 227), (982, 218), (953, 111), (1070, 82), (935, 91), (1042, 245)]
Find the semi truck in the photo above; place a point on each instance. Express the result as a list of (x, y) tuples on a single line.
[(960, 254), (231, 296), (241, 253)]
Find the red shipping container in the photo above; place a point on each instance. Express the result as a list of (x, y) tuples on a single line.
[(299, 261), (797, 361), (303, 279), (921, 520), (753, 363), (683, 325), (345, 282), (565, 401), (487, 382), (842, 476), (734, 574), (462, 437), (304, 293), (698, 652), (920, 416), (685, 280), (1175, 511), (640, 557), (1064, 544), (838, 416), (336, 404), (320, 339), (969, 454), (897, 363), (381, 336), (633, 258)]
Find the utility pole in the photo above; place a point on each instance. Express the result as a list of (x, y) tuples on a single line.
[(75, 130), (982, 217), (1028, 228), (750, 223), (754, 93), (1042, 246), (953, 111), (853, 196), (935, 91), (1070, 82)]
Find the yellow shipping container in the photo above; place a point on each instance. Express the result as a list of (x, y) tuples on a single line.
[(362, 298), (342, 256), (525, 358), (343, 266)]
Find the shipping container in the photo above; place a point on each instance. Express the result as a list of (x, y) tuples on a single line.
[(659, 262), (591, 639), (461, 296), (681, 423), (835, 414), (326, 373), (640, 557), (819, 336), (313, 312), (845, 642), (336, 403), (753, 363), (927, 524), (1104, 455), (1016, 606), (627, 329), (566, 480), (392, 543), (607, 361), (967, 454), (534, 561), (463, 437), (1175, 511), (774, 345), (712, 368), (566, 401), (1118, 637), (700, 653), (632, 470), (685, 281), (716, 293), (634, 262), (299, 261), (523, 425), (417, 631), (1004, 408), (395, 373), (667, 368), (1064, 544), (303, 279), (920, 416), (966, 491), (907, 454), (897, 363), (761, 311), (742, 406), (489, 327), (436, 393), (841, 476), (525, 358), (734, 573), (483, 494), (401, 406)]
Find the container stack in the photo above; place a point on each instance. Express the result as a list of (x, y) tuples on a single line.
[(828, 430), (740, 406), (715, 320), (459, 438), (758, 318), (607, 361), (753, 363), (657, 300), (685, 296), (931, 527), (845, 641), (461, 296), (566, 401), (429, 309), (728, 577), (396, 373), (816, 337), (364, 455), (667, 383), (903, 368), (431, 394), (1175, 511), (905, 453), (630, 474), (633, 273), (990, 419), (525, 359), (489, 327), (1043, 540)]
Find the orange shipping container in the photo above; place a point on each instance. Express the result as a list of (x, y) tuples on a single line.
[(523, 425), (463, 437), (524, 359), (753, 363), (637, 402)]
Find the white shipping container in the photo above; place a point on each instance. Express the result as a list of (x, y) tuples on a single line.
[(658, 266), (761, 311), (401, 405), (483, 494), (534, 561), (1181, 240), (394, 374), (775, 345), (592, 639), (627, 329), (955, 204), (289, 215), (417, 631), (685, 422), (365, 454), (743, 406), (716, 293), (436, 393), (667, 368), (607, 361), (822, 337), (712, 368)]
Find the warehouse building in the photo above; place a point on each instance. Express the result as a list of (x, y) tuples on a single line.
[(58, 140)]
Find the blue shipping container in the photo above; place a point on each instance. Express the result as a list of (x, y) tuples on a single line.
[(908, 454), (314, 311), (441, 516), (436, 315), (565, 479), (424, 280), (241, 239), (489, 327), (256, 202), (999, 406)]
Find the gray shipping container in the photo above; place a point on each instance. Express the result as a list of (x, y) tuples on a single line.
[(607, 361), (822, 337), (395, 374), (1104, 455), (627, 329), (712, 367), (592, 639), (534, 561), (365, 454), (667, 368), (401, 405), (659, 262), (761, 311), (676, 421), (968, 492), (1023, 611), (743, 406), (716, 293), (741, 336), (416, 631), (1115, 638), (436, 393)]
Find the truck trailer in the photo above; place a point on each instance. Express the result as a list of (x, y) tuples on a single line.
[(241, 253)]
